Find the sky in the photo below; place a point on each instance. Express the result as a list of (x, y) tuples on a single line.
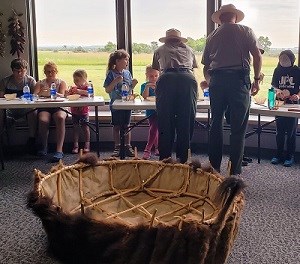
[(92, 22)]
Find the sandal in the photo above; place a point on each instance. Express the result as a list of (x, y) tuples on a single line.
[(75, 150), (147, 154), (86, 150), (116, 152), (86, 147), (129, 152)]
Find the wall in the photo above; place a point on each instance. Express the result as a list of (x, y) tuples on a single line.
[(18, 134), (6, 9)]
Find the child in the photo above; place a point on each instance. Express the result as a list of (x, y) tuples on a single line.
[(42, 88), (117, 74), (148, 89), (80, 115), (204, 85), (14, 83), (205, 89), (286, 81)]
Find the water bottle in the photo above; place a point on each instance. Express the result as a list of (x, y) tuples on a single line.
[(206, 94), (26, 93), (53, 91), (124, 92), (271, 98), (90, 90)]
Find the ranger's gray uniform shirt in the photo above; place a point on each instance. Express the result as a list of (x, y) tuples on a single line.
[(179, 56), (229, 48)]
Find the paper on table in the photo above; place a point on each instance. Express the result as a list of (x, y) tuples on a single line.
[(151, 98), (50, 100), (73, 97), (9, 97)]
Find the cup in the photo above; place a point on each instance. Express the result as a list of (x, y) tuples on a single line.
[(206, 94)]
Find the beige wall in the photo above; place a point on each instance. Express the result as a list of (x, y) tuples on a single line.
[(6, 8)]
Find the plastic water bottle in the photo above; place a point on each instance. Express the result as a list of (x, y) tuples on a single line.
[(271, 98), (53, 91), (206, 94), (124, 91), (26, 93), (90, 90)]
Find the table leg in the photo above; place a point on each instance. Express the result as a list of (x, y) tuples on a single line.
[(97, 131), (122, 142), (258, 139), (208, 124), (1, 152)]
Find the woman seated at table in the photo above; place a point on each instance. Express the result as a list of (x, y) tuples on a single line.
[(42, 89)]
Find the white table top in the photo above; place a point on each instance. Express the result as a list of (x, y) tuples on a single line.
[(138, 104), (289, 110), (48, 103)]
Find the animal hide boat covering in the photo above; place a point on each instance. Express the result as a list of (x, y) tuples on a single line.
[(137, 211)]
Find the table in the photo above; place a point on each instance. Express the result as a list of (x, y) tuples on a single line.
[(59, 102), (138, 104), (287, 110)]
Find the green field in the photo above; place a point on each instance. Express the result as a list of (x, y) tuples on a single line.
[(95, 63)]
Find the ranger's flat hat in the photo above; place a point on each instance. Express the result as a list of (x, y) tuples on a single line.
[(227, 9), (172, 33)]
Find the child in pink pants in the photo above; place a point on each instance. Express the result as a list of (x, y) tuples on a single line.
[(148, 89)]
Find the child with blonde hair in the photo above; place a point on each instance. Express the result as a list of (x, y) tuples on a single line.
[(45, 115), (80, 115), (117, 75), (148, 89)]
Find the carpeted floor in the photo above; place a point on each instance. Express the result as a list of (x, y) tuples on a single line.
[(269, 230)]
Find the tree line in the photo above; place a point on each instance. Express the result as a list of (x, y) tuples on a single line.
[(137, 48), (196, 44)]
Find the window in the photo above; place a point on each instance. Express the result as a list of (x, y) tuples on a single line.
[(276, 21), (151, 19), (82, 34), (74, 35)]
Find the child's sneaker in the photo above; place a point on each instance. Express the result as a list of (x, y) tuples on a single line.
[(147, 155), (57, 156), (244, 163), (289, 162), (276, 160), (156, 152), (116, 152), (247, 159), (129, 152)]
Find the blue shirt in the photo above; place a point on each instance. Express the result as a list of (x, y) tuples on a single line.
[(151, 93), (116, 92)]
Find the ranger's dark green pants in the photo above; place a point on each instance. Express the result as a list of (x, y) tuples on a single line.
[(229, 88), (176, 99)]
